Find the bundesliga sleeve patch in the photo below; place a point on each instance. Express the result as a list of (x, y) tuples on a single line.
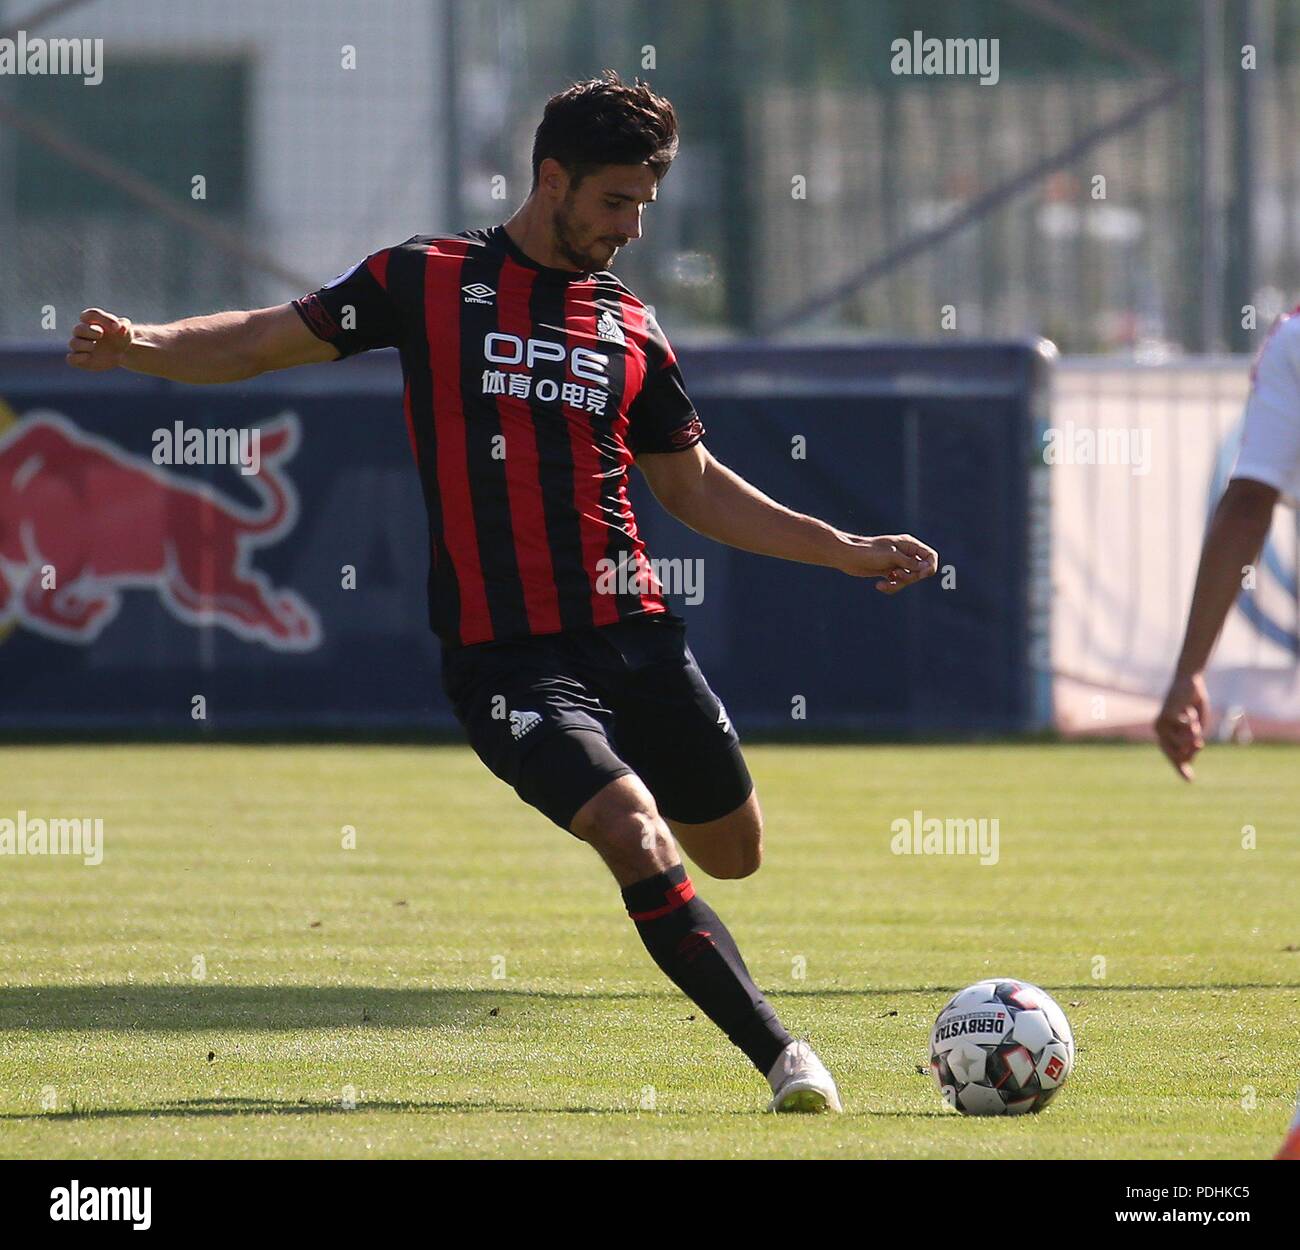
[(344, 276)]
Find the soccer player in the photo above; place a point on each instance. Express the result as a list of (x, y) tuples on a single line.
[(533, 379), (1290, 1147), (1268, 467)]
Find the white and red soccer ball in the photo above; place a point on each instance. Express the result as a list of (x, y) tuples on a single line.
[(1001, 1047)]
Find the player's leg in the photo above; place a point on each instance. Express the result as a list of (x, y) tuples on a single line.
[(729, 847), (675, 732), (535, 720), (692, 946), (684, 936)]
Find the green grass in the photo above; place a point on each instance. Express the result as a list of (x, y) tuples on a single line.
[(374, 968)]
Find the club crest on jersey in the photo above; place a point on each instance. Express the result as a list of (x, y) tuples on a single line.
[(609, 329), (478, 293)]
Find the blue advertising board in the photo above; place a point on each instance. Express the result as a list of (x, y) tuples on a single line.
[(136, 595)]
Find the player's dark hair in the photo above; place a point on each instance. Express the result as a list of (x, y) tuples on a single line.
[(605, 121)]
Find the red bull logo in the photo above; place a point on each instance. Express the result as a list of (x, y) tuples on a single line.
[(82, 522)]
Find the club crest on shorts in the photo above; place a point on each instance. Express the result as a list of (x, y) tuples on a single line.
[(522, 722)]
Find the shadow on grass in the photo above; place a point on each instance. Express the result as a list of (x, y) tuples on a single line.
[(195, 1008), (205, 1107), (236, 1107), (201, 1007)]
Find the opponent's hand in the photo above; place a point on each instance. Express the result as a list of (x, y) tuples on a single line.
[(99, 341), (898, 560), (1180, 727)]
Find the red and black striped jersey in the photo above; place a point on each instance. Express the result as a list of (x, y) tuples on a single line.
[(528, 393)]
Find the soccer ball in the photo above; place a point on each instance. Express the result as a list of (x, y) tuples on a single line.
[(1001, 1047)]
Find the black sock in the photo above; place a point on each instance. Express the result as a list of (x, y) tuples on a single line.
[(693, 948)]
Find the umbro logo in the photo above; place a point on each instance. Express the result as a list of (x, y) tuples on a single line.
[(724, 721), (522, 722), (477, 293), (609, 329)]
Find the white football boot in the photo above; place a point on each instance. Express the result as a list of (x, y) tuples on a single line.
[(800, 1082)]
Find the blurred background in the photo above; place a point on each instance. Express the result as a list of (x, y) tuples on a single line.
[(307, 162), (1121, 203)]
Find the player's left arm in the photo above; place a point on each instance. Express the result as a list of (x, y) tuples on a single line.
[(706, 495)]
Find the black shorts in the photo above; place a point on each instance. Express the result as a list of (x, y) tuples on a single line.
[(562, 715)]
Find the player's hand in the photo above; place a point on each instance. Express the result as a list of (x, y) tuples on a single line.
[(898, 560), (99, 341), (1180, 727)]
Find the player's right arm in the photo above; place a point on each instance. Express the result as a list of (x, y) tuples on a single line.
[(1233, 541), (221, 347), (1268, 465)]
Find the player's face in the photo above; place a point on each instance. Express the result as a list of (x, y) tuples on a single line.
[(603, 214)]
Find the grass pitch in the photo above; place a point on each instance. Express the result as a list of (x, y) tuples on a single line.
[(230, 979)]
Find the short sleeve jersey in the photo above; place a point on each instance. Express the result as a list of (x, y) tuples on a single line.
[(1270, 442), (528, 392)]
